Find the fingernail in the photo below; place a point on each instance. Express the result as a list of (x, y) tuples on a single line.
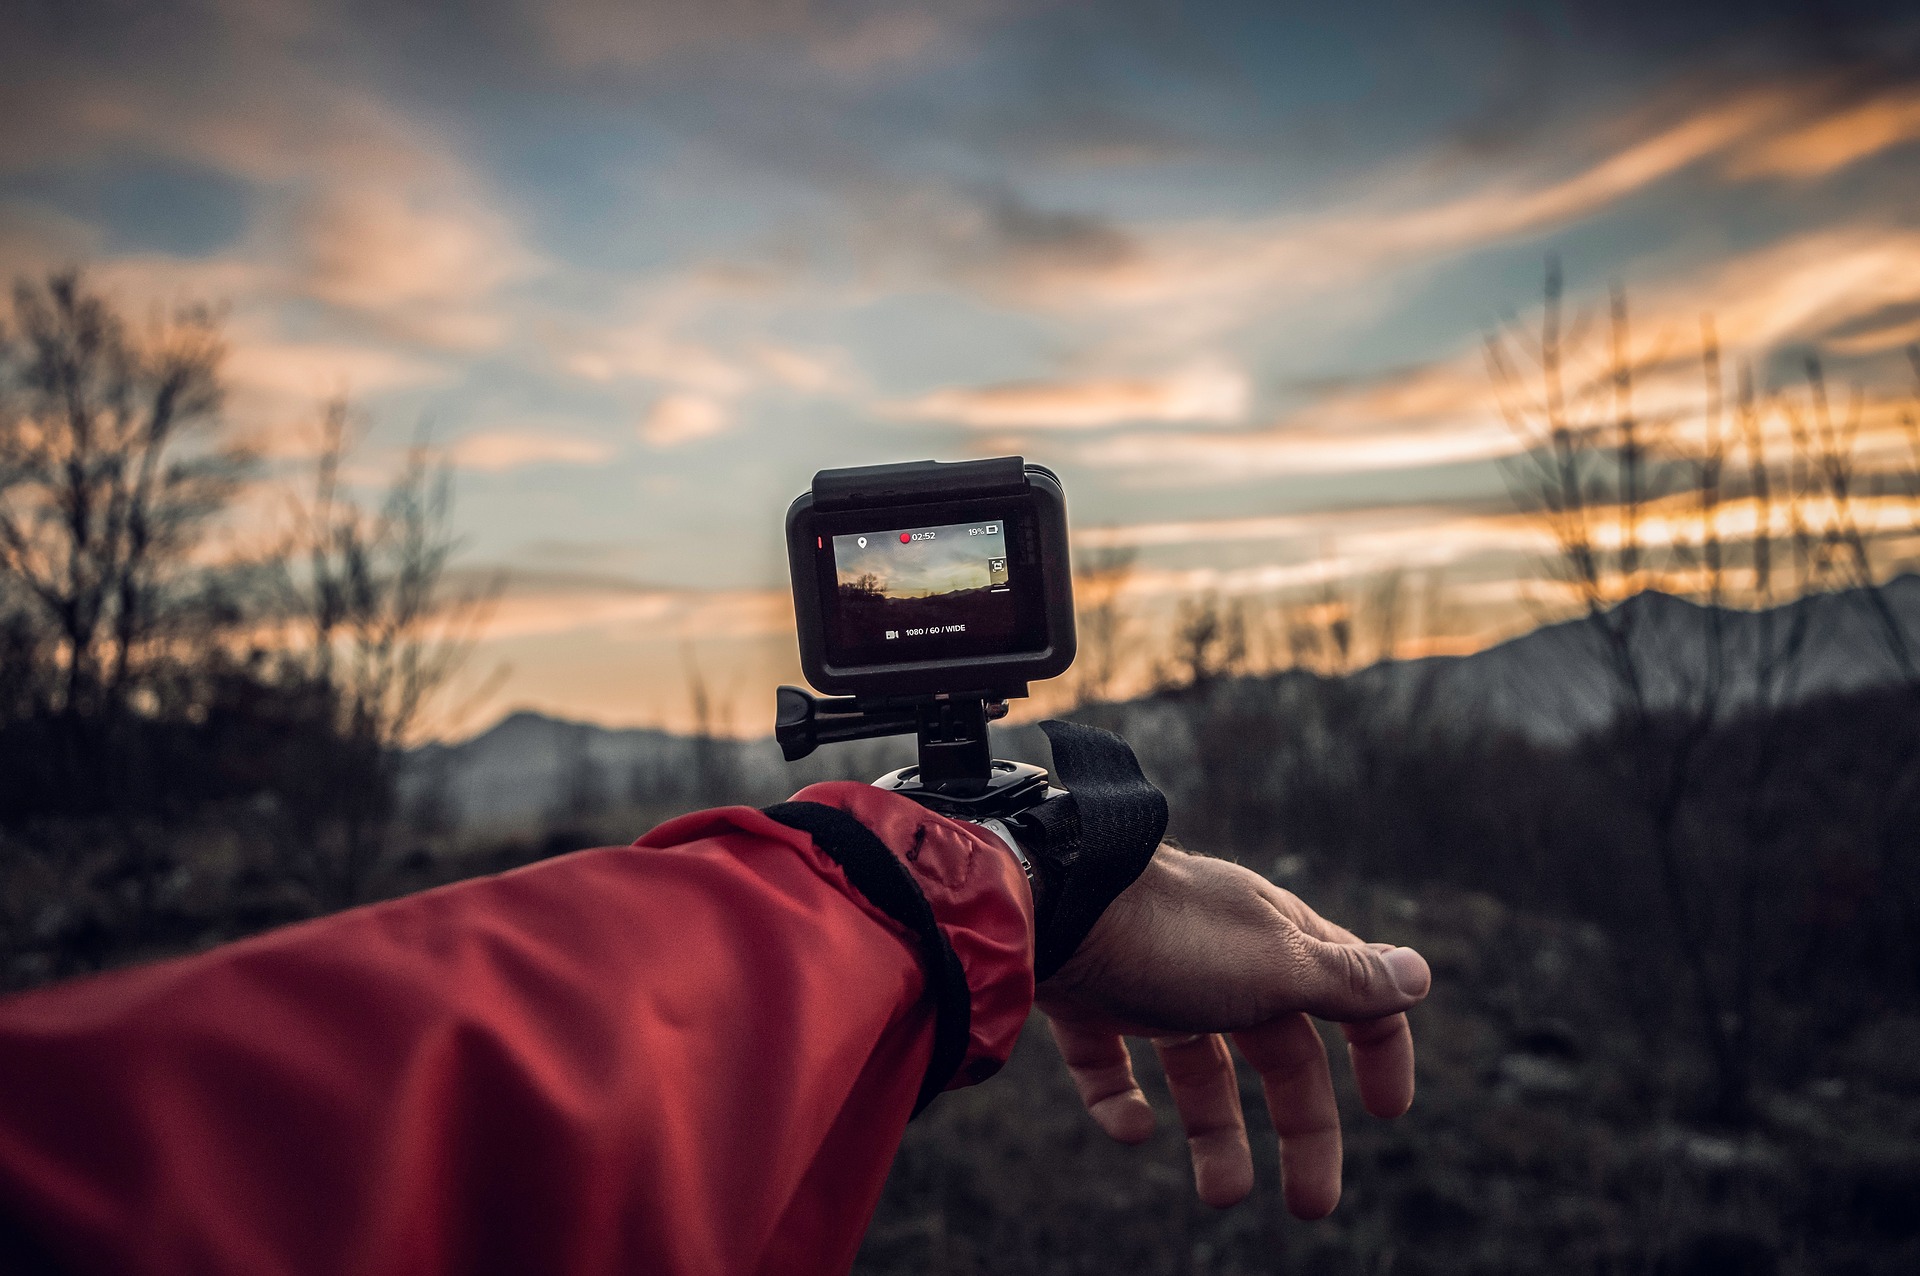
[(1409, 971)]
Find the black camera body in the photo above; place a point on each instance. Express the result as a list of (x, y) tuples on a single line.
[(926, 595), (932, 577)]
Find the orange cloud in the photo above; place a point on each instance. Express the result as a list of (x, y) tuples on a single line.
[(702, 382), (1196, 532), (424, 263), (1846, 136), (1825, 286), (1433, 415), (497, 451), (1340, 542), (556, 604), (301, 373), (1208, 393), (1849, 290), (358, 205), (649, 352), (1179, 283), (806, 373), (1219, 269), (612, 651), (683, 418)]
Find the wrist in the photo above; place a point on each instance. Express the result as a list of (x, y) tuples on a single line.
[(1036, 881)]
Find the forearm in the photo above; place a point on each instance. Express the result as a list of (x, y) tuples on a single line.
[(683, 1058)]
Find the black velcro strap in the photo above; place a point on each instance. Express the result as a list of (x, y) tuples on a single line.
[(889, 887), (1097, 840)]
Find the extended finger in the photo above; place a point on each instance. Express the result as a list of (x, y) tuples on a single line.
[(1201, 1079), (1102, 1071), (1292, 1063), (1381, 1051)]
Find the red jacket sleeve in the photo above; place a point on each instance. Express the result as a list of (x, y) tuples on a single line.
[(696, 1054)]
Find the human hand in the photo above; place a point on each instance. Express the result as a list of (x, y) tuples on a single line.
[(1198, 947)]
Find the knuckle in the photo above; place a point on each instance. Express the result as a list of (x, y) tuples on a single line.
[(1295, 973), (1356, 971)]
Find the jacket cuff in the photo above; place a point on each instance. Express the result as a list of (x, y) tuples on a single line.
[(979, 897)]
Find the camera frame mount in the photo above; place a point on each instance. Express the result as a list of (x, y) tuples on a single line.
[(957, 773)]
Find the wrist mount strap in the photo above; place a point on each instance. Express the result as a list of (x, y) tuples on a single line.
[(884, 881), (1090, 844)]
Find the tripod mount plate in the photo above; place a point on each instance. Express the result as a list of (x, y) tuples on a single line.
[(1011, 788)]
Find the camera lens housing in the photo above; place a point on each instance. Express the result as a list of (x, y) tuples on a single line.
[(932, 577)]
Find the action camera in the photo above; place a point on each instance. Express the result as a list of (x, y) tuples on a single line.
[(932, 577), (927, 595)]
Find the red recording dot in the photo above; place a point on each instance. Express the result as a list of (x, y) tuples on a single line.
[(905, 537)]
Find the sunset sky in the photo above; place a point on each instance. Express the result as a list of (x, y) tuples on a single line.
[(1226, 268)]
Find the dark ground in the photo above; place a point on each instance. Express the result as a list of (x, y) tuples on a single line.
[(1567, 1118), (1539, 1142)]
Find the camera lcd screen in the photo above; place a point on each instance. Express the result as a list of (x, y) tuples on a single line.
[(905, 594), (926, 579)]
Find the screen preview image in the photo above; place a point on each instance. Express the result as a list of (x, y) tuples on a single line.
[(921, 583)]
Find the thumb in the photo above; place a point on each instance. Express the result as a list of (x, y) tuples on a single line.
[(1352, 982)]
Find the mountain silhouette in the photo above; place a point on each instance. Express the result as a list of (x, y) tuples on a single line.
[(1551, 684)]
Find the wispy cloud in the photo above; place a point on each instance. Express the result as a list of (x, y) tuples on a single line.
[(554, 603), (1849, 288), (1209, 392), (1191, 280), (497, 451), (279, 380), (844, 39), (1847, 134), (698, 340), (651, 352), (425, 264), (354, 203), (1310, 532), (1430, 415), (683, 418)]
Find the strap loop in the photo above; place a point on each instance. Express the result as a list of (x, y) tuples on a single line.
[(1092, 843)]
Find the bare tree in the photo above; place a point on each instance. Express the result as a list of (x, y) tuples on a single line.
[(865, 585), (112, 463), (1593, 471), (1848, 550), (113, 466), (1104, 624), (1324, 631), (1587, 462), (375, 632), (1209, 642), (715, 777)]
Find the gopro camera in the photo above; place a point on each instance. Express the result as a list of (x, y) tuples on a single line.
[(926, 595), (931, 578)]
